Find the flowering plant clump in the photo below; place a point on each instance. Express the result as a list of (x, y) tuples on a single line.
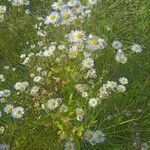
[(65, 84)]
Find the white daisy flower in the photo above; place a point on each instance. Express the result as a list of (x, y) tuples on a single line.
[(1, 17), (136, 48), (88, 63), (94, 43), (111, 85), (22, 55), (37, 79), (48, 52), (89, 136), (99, 136), (8, 108), (2, 9), (121, 88), (2, 129), (34, 90), (117, 45), (91, 73), (69, 146), (76, 36), (17, 112), (26, 60), (2, 78), (93, 102), (53, 18), (67, 16), (52, 104), (121, 57), (73, 3), (61, 47), (63, 108), (59, 5), (123, 80), (21, 86), (84, 94), (20, 2), (93, 2), (73, 53), (80, 114)]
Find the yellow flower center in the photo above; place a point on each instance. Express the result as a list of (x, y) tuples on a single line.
[(52, 17), (18, 112), (66, 16), (79, 35), (9, 109), (98, 136), (69, 147), (59, 4), (89, 136), (95, 42), (73, 54), (52, 103)]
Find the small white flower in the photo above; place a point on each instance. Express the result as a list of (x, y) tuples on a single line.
[(63, 108), (117, 45), (73, 3), (2, 9), (76, 36), (67, 16), (22, 55), (2, 129), (91, 73), (89, 136), (59, 5), (136, 48), (8, 108), (48, 52), (73, 53), (93, 102), (99, 136), (17, 112), (53, 18), (121, 88), (111, 85), (80, 114), (34, 90), (94, 43), (21, 86), (32, 75), (123, 80), (88, 63), (52, 104), (37, 79), (20, 2), (121, 57), (26, 60), (69, 146), (61, 47), (84, 94), (93, 2)]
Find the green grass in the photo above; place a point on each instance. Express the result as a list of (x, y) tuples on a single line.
[(129, 22)]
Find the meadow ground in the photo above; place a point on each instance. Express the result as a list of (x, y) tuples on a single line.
[(124, 119)]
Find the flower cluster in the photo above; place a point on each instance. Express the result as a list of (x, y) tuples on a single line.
[(64, 81), (112, 86), (65, 13), (2, 12), (2, 78), (20, 2), (94, 137), (121, 57)]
